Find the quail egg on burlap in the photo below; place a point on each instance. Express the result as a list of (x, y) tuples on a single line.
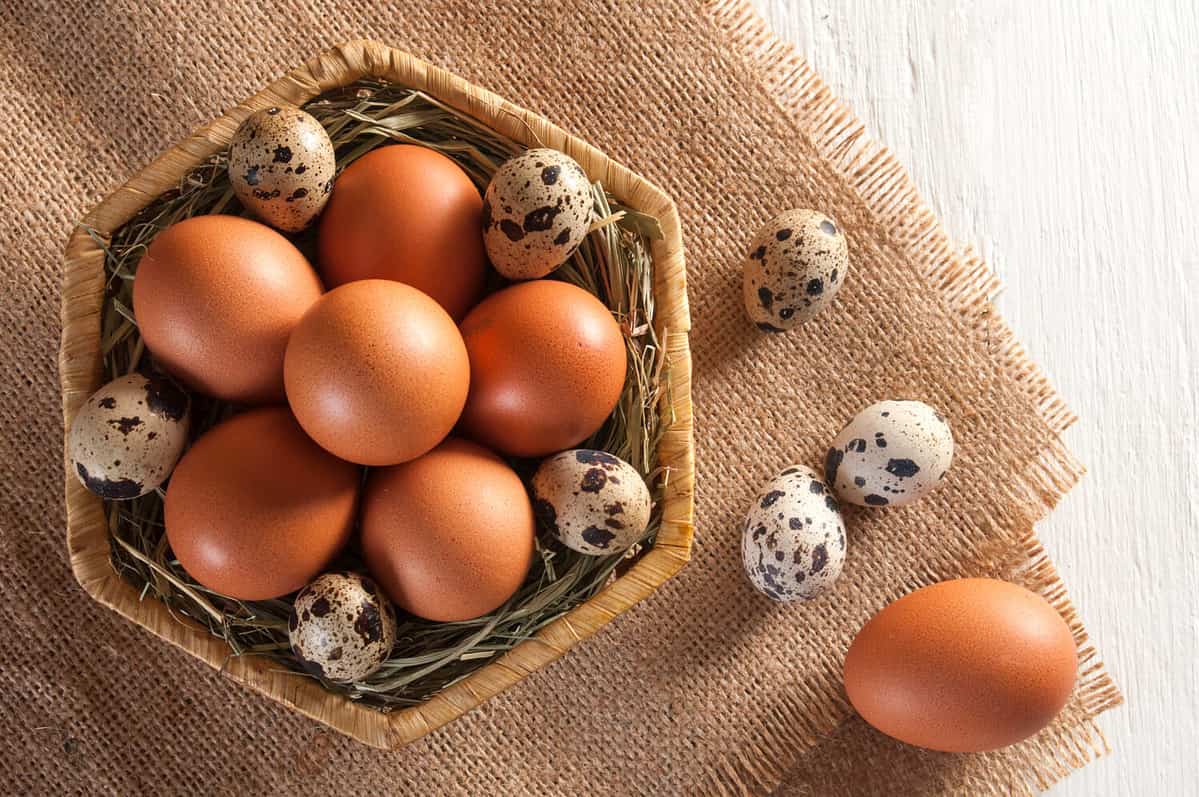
[(128, 436), (281, 166), (536, 212), (591, 501), (342, 627), (890, 454), (795, 267), (793, 546)]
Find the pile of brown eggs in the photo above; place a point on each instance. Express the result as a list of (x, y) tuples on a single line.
[(389, 354)]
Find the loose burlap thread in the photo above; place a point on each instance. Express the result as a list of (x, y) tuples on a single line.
[(703, 688)]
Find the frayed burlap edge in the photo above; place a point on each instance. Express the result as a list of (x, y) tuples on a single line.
[(968, 287)]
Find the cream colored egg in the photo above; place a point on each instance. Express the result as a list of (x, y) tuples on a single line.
[(342, 627), (591, 501), (796, 265), (793, 545), (128, 436), (890, 454), (536, 212), (281, 166)]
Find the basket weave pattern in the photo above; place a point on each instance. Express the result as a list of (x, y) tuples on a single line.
[(80, 370)]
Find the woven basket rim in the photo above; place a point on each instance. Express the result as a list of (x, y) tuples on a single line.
[(80, 375)]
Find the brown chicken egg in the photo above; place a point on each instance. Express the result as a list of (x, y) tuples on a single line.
[(967, 665), (255, 509), (215, 299), (449, 536), (547, 364), (410, 214), (376, 372)]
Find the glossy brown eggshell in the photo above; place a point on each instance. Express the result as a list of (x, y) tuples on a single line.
[(962, 666), (547, 364), (449, 536), (377, 372), (215, 299), (406, 213), (255, 509)]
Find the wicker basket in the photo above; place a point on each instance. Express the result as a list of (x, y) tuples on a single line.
[(80, 373)]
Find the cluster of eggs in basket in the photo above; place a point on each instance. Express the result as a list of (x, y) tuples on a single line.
[(387, 354)]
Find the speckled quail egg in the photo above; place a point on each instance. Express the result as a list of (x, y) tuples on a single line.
[(890, 454), (793, 546), (536, 212), (795, 267), (128, 436), (591, 501), (342, 627), (281, 166)]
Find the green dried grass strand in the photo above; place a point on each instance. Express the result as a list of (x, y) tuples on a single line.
[(613, 262)]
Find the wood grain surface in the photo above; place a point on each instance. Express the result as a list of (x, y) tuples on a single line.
[(1058, 139)]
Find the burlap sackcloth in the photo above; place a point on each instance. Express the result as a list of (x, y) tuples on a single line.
[(706, 686)]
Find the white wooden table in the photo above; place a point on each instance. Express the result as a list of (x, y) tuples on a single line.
[(1062, 139)]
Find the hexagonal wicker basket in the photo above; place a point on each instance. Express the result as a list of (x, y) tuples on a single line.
[(80, 372)]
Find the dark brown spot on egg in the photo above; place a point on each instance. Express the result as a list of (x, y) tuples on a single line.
[(815, 287), (902, 468), (125, 425), (783, 234), (614, 508), (758, 253), (335, 654), (765, 297), (549, 175), (541, 219), (165, 399), (770, 497), (108, 403), (819, 559), (301, 169), (112, 489), (832, 461), (368, 624), (593, 480), (563, 237), (320, 607), (597, 537), (876, 500), (282, 154), (589, 456), (512, 230)]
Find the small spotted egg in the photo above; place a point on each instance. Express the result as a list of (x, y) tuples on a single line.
[(342, 627), (128, 436), (795, 267), (890, 454), (281, 166), (591, 501), (793, 546), (536, 212)]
